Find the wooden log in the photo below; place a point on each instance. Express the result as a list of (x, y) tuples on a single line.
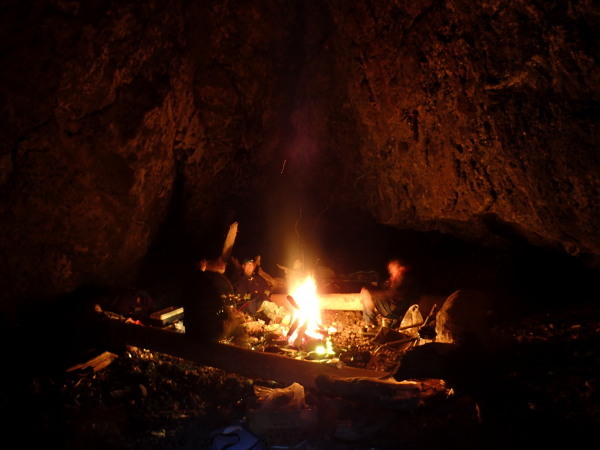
[(387, 392), (97, 363), (341, 302), (361, 385), (336, 302), (229, 240), (350, 301), (248, 363)]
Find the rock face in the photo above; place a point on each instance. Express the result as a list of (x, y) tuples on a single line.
[(129, 124), (476, 119), (87, 132), (463, 316), (119, 117)]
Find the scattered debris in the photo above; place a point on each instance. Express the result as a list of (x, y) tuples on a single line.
[(167, 316), (147, 399)]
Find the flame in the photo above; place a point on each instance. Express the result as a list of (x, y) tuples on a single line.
[(309, 313)]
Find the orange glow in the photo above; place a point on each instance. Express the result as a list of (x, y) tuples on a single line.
[(309, 314)]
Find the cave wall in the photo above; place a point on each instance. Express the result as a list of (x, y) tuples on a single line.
[(87, 133), (122, 122), (118, 117), (481, 121)]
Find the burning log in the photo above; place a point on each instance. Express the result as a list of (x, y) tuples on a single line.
[(293, 302), (293, 327)]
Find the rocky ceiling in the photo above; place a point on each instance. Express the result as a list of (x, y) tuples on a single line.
[(129, 123)]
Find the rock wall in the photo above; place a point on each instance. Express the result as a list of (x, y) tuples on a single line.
[(126, 124), (87, 133), (479, 120), (119, 117)]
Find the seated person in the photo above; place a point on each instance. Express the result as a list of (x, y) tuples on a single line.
[(206, 293), (275, 283), (398, 293), (251, 287)]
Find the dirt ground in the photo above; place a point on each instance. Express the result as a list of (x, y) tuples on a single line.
[(145, 400)]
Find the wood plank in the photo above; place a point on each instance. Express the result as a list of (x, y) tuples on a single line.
[(97, 363), (362, 385), (248, 363), (341, 302), (337, 302)]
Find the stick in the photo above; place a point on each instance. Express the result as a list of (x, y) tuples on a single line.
[(293, 302), (229, 240)]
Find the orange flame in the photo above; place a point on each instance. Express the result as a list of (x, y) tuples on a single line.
[(309, 313)]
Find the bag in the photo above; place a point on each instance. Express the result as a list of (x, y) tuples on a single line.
[(235, 437)]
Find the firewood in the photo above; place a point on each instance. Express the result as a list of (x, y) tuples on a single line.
[(386, 392), (233, 359), (97, 363), (229, 240)]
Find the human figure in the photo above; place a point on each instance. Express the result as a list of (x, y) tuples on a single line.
[(206, 313), (274, 283), (251, 287), (397, 294)]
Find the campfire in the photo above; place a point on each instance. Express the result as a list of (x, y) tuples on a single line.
[(306, 330), (334, 378)]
